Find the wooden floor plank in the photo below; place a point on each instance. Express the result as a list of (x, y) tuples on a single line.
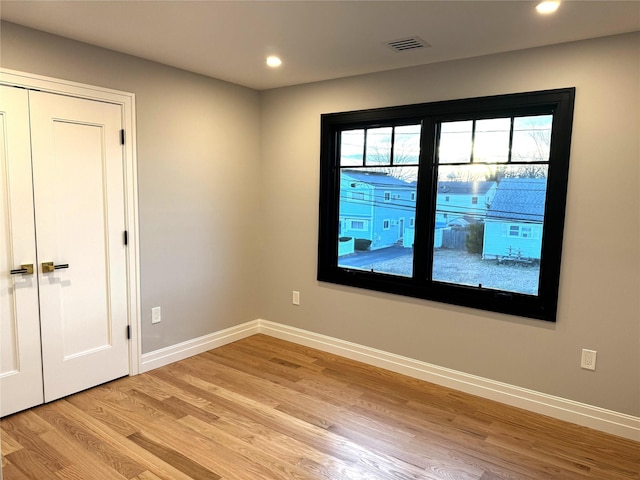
[(289, 450), (147, 476), (155, 466), (85, 464), (10, 471), (163, 430), (32, 465), (177, 459), (379, 466), (8, 444), (37, 456), (264, 408), (83, 439)]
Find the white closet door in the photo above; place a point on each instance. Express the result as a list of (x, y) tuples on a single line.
[(80, 223), (20, 362)]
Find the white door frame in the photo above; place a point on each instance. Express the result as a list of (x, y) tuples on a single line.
[(127, 101)]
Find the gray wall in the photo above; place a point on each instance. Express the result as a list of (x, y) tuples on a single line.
[(198, 179), (600, 281), (228, 184)]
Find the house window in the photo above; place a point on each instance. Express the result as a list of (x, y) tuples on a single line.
[(511, 149), (412, 222), (413, 196), (357, 195), (359, 225), (522, 231)]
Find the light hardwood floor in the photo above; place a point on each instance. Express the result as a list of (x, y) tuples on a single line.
[(263, 408)]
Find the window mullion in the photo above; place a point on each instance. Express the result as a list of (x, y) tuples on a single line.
[(425, 204), (510, 141), (392, 151), (473, 140), (364, 147)]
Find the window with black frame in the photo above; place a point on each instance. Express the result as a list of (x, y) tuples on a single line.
[(461, 202)]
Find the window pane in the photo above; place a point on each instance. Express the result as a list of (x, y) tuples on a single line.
[(531, 139), (491, 141), (455, 142), (352, 148), (406, 145), (496, 242), (379, 146), (376, 209)]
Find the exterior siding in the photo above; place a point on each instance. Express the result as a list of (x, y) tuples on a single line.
[(498, 243), (461, 204), (376, 205), (514, 220), (398, 207), (355, 206)]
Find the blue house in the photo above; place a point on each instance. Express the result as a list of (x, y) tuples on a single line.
[(513, 224), (457, 200), (376, 206)]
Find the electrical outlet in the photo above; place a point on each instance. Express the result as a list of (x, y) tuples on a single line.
[(588, 359), (295, 298), (156, 315)]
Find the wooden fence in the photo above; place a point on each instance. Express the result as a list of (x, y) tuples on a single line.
[(454, 239)]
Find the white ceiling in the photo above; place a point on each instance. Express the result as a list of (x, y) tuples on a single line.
[(317, 40)]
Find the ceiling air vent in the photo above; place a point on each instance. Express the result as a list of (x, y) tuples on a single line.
[(405, 44)]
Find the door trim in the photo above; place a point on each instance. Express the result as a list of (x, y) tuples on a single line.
[(127, 101)]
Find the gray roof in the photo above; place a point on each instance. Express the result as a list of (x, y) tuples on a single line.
[(464, 188), (377, 179), (519, 199)]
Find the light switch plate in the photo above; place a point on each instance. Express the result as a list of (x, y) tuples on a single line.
[(156, 315)]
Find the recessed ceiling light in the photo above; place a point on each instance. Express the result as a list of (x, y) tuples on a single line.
[(548, 6), (274, 61)]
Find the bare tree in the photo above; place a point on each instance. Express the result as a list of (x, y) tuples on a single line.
[(404, 160)]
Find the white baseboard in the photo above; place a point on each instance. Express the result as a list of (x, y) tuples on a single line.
[(601, 419), (180, 351)]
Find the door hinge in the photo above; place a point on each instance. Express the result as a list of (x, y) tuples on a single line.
[(122, 137), (126, 237), (128, 332)]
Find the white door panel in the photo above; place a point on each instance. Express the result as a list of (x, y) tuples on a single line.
[(80, 218), (20, 361)]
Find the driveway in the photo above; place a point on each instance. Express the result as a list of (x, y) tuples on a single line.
[(360, 259)]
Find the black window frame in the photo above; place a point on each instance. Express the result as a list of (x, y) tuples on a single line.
[(558, 102)]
